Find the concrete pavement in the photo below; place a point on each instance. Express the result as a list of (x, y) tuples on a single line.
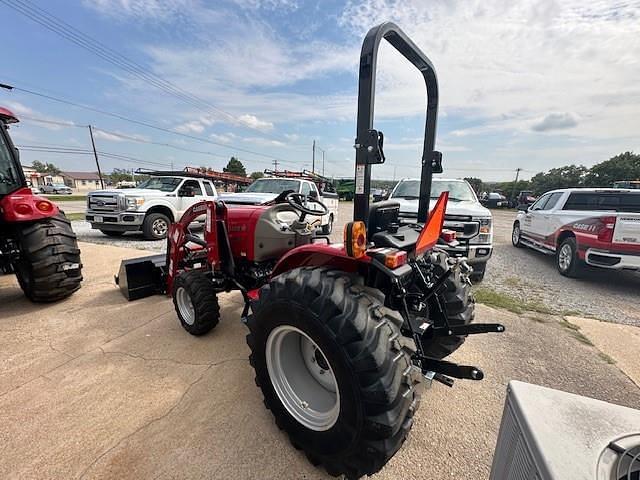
[(96, 387)]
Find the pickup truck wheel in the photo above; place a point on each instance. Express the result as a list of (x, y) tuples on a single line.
[(155, 226), (567, 260), (333, 371), (195, 301), (328, 228), (112, 233), (516, 235)]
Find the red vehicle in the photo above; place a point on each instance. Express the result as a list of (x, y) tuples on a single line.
[(340, 334), (36, 239)]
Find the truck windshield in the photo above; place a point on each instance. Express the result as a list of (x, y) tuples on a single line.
[(164, 184), (458, 191), (9, 177), (273, 185)]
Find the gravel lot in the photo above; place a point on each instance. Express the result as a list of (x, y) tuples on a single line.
[(522, 273)]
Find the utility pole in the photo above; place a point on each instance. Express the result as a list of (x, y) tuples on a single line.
[(513, 190), (95, 154), (275, 165), (323, 163), (313, 157)]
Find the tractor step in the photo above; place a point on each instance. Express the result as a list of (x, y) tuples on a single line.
[(142, 277)]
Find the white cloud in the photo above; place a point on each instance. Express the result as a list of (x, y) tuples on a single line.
[(156, 10), (118, 136), (223, 138), (282, 5), (28, 114), (254, 122), (555, 121), (190, 127)]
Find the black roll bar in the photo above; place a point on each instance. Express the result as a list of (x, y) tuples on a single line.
[(367, 139)]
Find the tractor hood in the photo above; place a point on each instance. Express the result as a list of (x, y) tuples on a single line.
[(247, 198), (409, 207)]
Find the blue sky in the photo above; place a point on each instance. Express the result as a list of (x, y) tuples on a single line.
[(529, 84)]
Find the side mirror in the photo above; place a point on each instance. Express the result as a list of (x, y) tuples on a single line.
[(313, 194), (523, 207)]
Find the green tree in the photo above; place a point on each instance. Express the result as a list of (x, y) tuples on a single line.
[(46, 167), (236, 167), (568, 176), (120, 174), (475, 183), (256, 175), (625, 166)]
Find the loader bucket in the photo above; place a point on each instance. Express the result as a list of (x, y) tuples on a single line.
[(142, 277)]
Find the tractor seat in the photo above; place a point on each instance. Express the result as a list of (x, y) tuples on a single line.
[(381, 216)]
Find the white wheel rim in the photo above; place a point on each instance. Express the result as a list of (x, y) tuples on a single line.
[(565, 256), (159, 227), (302, 378), (515, 236), (185, 306)]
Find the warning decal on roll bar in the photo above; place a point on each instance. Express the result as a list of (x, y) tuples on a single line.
[(360, 179)]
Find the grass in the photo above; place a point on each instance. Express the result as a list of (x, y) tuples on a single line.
[(507, 302), (65, 198), (75, 216), (606, 358), (576, 333)]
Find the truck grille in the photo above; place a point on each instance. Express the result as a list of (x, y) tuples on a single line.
[(464, 227), (103, 202)]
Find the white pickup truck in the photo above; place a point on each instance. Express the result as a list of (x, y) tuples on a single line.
[(598, 227), (465, 215), (150, 207), (266, 189)]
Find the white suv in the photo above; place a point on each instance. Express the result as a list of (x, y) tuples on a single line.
[(465, 215), (150, 207)]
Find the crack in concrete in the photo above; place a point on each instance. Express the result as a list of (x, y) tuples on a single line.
[(156, 419), (160, 359)]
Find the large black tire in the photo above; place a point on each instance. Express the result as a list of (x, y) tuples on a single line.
[(571, 266), (361, 341), (459, 303), (479, 269), (112, 233), (151, 226), (49, 268), (203, 313)]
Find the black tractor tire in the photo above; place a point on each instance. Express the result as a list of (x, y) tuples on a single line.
[(195, 292), (479, 270), (328, 228), (149, 230), (112, 233), (49, 268), (460, 305), (361, 341), (576, 266)]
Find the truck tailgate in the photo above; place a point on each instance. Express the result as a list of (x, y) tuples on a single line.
[(627, 229)]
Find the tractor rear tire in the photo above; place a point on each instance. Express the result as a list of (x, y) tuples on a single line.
[(49, 268), (317, 318), (460, 307), (195, 301)]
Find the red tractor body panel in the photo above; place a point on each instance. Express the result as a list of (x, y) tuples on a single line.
[(7, 116), (241, 228), (319, 254), (23, 206)]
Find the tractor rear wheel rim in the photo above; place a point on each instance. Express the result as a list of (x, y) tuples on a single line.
[(564, 259), (159, 227), (302, 378), (185, 306)]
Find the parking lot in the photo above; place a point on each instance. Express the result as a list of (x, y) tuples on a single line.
[(97, 387)]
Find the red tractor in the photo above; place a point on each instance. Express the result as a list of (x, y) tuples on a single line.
[(340, 334), (36, 239)]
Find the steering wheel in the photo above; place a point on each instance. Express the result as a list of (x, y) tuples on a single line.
[(298, 202)]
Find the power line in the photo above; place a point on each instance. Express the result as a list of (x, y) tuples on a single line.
[(79, 38)]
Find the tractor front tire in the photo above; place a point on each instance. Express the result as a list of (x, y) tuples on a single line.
[(333, 371), (459, 303), (49, 267), (195, 301)]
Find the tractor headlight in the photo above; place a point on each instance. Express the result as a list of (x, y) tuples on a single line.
[(485, 232), (134, 202)]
